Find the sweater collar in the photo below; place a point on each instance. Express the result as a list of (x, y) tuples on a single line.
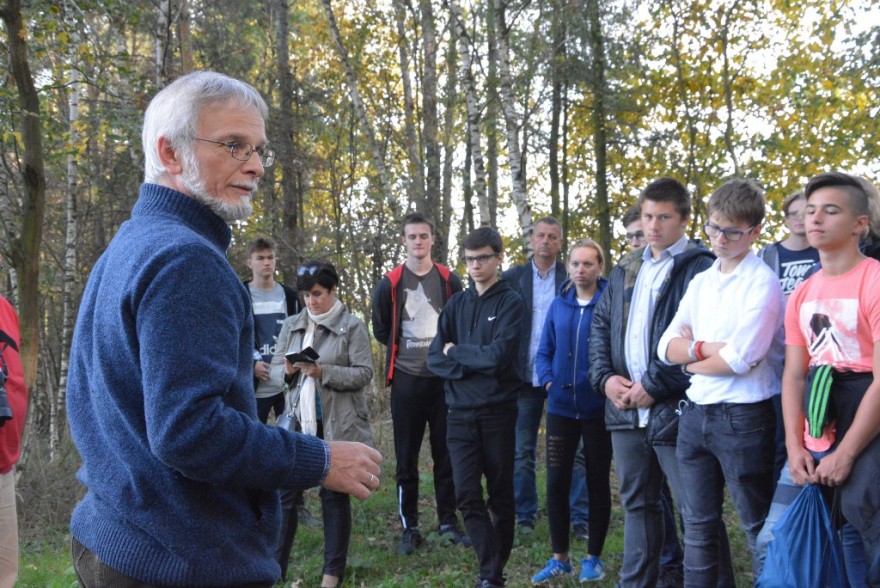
[(158, 200)]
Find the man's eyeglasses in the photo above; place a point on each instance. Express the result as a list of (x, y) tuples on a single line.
[(312, 270), (638, 236), (477, 259), (243, 151), (729, 234)]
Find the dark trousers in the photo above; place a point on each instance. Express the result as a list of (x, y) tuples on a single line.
[(417, 402), (481, 444), (264, 405), (563, 436), (723, 443), (92, 573)]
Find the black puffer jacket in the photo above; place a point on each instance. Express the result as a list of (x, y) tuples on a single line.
[(664, 383)]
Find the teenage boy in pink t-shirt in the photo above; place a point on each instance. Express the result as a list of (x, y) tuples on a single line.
[(833, 353)]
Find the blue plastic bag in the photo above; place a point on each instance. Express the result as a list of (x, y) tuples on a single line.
[(805, 551)]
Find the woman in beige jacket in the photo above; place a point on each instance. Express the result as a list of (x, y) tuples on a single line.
[(327, 396)]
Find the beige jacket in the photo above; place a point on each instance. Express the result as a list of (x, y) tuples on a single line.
[(347, 363)]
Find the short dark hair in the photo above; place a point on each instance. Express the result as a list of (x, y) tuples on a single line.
[(549, 220), (668, 190), (632, 215), (863, 195), (415, 218), (483, 237), (791, 199), (315, 271), (739, 200), (260, 243)]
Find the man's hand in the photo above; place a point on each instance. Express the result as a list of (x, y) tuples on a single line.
[(447, 347), (616, 390), (354, 469), (801, 465), (833, 469), (638, 398), (261, 370)]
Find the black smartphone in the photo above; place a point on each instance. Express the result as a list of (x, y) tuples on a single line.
[(307, 355)]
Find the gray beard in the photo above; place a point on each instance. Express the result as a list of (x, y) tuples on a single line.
[(225, 210)]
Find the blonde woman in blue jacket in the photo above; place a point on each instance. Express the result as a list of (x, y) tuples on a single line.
[(574, 412)]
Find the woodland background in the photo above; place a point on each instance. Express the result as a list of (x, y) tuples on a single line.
[(477, 113)]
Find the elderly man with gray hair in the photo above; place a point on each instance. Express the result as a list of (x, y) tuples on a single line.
[(181, 477)]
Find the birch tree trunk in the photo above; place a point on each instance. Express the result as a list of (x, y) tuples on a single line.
[(360, 111), (451, 97), (68, 286), (514, 155), (416, 170), (473, 113)]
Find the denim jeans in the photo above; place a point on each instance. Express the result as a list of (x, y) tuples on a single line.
[(717, 444), (530, 408), (640, 470), (853, 547), (481, 444), (672, 556)]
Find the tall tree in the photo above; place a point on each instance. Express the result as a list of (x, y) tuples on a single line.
[(24, 240), (600, 140), (514, 155)]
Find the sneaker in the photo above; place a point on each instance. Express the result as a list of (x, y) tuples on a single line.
[(409, 541), (525, 527), (581, 532), (553, 569), (306, 518), (454, 536), (592, 569)]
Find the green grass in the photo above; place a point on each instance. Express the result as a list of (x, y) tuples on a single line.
[(372, 560)]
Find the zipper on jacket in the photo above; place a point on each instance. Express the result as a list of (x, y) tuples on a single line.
[(577, 342)]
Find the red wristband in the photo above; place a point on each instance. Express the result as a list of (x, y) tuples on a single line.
[(698, 350)]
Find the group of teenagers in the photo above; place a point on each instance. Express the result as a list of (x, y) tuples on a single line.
[(684, 367), (672, 368)]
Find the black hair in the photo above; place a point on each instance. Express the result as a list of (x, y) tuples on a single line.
[(483, 237), (668, 190), (314, 271)]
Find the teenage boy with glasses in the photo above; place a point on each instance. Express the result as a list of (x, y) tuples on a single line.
[(475, 351), (727, 335)]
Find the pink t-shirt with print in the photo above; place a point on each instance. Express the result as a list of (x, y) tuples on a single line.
[(838, 320)]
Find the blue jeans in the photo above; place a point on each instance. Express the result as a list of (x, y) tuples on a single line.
[(640, 469), (480, 444), (717, 444), (530, 408), (853, 547)]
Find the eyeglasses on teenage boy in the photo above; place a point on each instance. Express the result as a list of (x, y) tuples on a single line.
[(730, 234)]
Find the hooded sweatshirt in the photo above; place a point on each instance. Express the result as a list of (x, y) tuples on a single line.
[(485, 330)]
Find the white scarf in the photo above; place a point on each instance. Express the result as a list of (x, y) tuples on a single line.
[(306, 407)]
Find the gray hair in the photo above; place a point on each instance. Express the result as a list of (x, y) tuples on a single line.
[(174, 113)]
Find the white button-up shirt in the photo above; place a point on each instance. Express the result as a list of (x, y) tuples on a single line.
[(745, 310), (652, 276)]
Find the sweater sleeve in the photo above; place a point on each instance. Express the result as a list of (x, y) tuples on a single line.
[(194, 348), (382, 311)]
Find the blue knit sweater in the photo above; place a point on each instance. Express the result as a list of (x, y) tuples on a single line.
[(182, 478)]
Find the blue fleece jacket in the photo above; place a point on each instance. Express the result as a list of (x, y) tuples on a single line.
[(181, 477), (563, 357)]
